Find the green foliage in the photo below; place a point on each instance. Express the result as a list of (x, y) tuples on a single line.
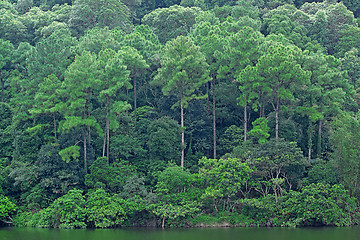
[(67, 211), (183, 70), (173, 179), (86, 14), (232, 137), (346, 152), (72, 152), (164, 142), (172, 212), (316, 204), (223, 180), (104, 211), (285, 69), (322, 172), (7, 209), (113, 176), (260, 130), (169, 23)]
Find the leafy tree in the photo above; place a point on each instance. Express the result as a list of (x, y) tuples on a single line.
[(223, 180), (47, 98), (232, 137), (241, 50), (183, 72), (348, 39), (329, 21), (278, 73), (113, 76), (163, 141), (350, 63), (97, 39), (290, 22), (146, 42), (67, 211), (5, 132), (277, 164), (77, 108), (6, 50), (329, 91), (112, 176), (136, 65), (7, 208), (169, 23), (86, 14), (345, 130), (103, 210), (260, 130), (174, 199)]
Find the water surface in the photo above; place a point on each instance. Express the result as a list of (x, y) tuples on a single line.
[(183, 234)]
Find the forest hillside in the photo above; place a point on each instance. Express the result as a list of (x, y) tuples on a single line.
[(179, 113)]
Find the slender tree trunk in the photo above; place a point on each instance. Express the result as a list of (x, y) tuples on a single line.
[(310, 140), (207, 98), (2, 91), (182, 135), (319, 139), (54, 119), (108, 140), (85, 150), (104, 144), (262, 107), (245, 121), (163, 223), (127, 99), (107, 133), (135, 101), (214, 119), (277, 119)]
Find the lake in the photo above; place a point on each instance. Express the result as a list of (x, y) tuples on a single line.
[(183, 234)]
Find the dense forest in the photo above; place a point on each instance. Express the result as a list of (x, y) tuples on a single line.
[(179, 113)]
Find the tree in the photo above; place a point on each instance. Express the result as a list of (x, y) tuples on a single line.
[(104, 210), (163, 141), (86, 14), (345, 138), (46, 99), (7, 208), (223, 180), (241, 50), (169, 23), (183, 72), (6, 51), (278, 73), (327, 94), (113, 77), (81, 81), (136, 65)]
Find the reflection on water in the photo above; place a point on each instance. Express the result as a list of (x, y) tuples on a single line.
[(183, 234)]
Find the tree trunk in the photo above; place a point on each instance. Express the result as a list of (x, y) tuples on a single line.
[(277, 119), (310, 140), (214, 119), (54, 119), (135, 101), (108, 140), (104, 144), (245, 121), (85, 160), (163, 223), (2, 91), (207, 98), (182, 135), (319, 139)]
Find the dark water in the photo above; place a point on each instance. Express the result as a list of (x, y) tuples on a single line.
[(184, 234)]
